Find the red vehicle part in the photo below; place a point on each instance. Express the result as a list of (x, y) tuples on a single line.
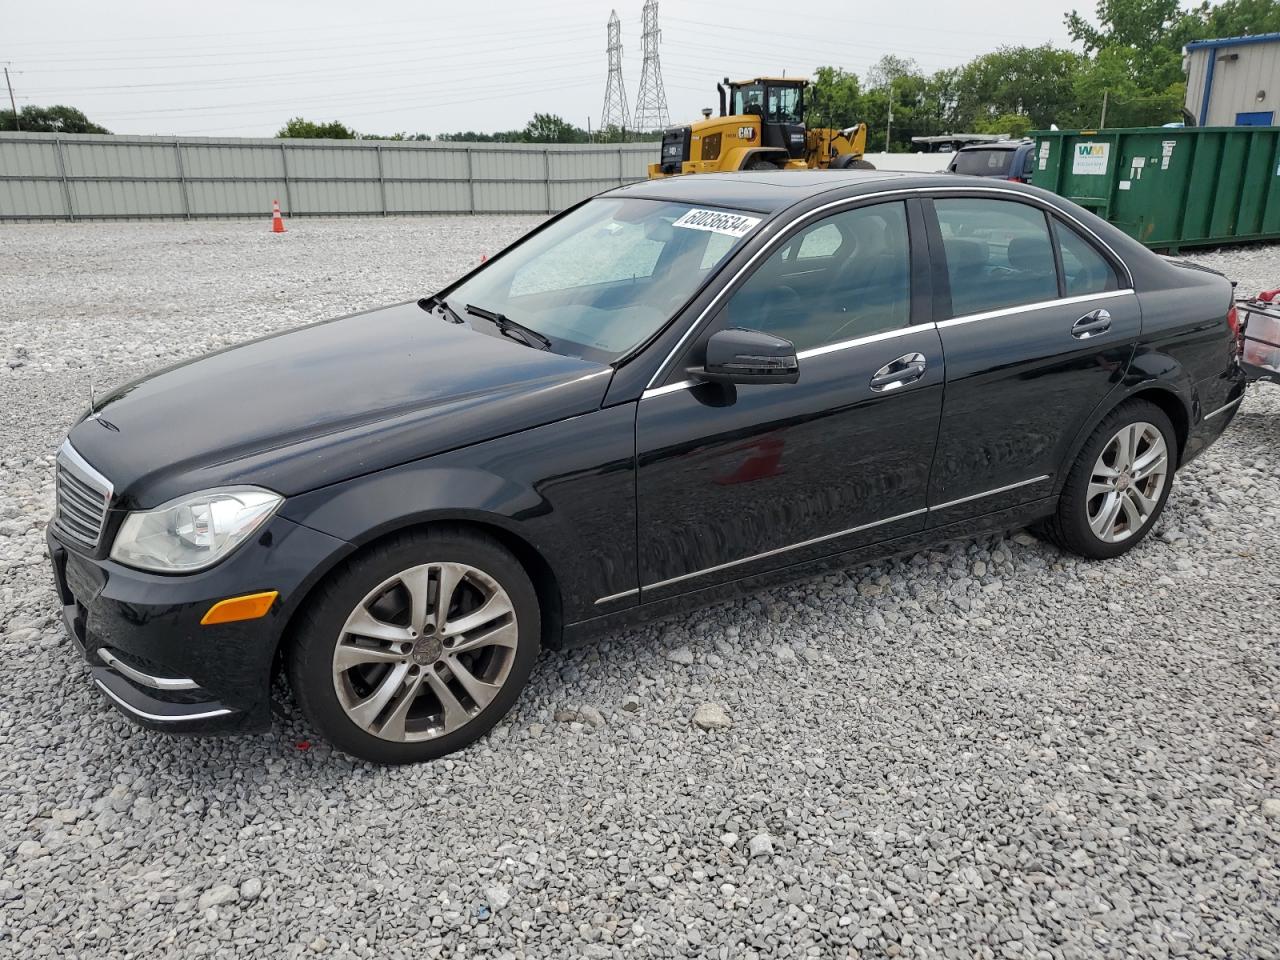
[(1257, 322)]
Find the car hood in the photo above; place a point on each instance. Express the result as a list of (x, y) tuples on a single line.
[(301, 409)]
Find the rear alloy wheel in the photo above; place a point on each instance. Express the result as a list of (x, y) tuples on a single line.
[(418, 648), (1127, 482), (1118, 484)]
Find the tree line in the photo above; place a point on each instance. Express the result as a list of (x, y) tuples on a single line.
[(1131, 62)]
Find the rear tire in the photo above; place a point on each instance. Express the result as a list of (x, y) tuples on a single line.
[(389, 673), (863, 165), (1118, 485)]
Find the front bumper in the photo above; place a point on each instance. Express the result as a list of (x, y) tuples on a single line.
[(141, 635)]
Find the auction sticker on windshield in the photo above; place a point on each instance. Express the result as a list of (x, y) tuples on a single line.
[(717, 221)]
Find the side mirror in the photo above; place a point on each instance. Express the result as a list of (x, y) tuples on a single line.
[(736, 355)]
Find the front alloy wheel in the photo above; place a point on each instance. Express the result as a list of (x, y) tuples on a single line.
[(425, 651), (417, 646)]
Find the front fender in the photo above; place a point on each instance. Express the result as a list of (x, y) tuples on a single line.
[(566, 490)]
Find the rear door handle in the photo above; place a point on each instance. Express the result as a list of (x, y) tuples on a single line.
[(1091, 324), (908, 368)]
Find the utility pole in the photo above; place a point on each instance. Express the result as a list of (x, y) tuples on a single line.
[(888, 127), (1103, 122), (17, 124)]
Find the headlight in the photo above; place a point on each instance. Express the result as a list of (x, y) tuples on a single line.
[(193, 532)]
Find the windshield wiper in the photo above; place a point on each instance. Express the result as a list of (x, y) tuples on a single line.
[(435, 300), (510, 328)]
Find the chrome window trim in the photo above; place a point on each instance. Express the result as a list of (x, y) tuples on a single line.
[(1037, 305), (806, 354), (146, 679), (669, 388), (221, 711), (1223, 409), (773, 242), (869, 338), (988, 493), (617, 596), (778, 550)]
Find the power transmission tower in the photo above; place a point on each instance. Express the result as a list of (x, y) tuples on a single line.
[(651, 104), (615, 95)]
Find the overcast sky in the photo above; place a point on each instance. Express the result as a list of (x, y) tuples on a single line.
[(243, 68)]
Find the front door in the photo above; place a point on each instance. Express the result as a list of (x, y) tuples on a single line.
[(737, 480), (1041, 330)]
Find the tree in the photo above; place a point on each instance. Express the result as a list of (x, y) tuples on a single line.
[(1231, 18), (306, 129), (55, 119), (1016, 125), (1130, 102), (1143, 32), (549, 128), (834, 99), (1035, 82), (396, 136), (889, 69)]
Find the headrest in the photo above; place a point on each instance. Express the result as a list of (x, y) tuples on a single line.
[(868, 234), (965, 253), (1031, 254)]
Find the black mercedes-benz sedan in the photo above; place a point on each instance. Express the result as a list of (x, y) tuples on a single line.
[(673, 390)]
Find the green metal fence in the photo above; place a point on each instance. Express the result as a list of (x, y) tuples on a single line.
[(1169, 187)]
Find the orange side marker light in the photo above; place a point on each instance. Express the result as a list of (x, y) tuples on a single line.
[(249, 607)]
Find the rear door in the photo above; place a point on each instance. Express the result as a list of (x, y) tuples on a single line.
[(1039, 328)]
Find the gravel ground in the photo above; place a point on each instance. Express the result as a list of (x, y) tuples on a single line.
[(987, 750)]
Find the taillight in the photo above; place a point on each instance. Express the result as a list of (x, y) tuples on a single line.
[(1233, 320)]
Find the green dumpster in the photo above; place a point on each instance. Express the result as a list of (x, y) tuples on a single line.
[(1169, 187)]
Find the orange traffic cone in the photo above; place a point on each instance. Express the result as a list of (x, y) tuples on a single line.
[(277, 221), (484, 258)]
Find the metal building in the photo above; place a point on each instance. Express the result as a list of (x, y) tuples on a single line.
[(1234, 81)]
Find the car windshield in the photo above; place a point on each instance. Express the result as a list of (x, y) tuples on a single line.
[(984, 163), (606, 276)]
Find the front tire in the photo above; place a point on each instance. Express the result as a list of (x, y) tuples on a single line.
[(416, 647), (1118, 486), (762, 165)]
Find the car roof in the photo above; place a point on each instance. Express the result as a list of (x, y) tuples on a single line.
[(996, 145), (765, 191)]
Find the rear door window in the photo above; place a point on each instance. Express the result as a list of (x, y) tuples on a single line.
[(998, 254), (984, 163), (1084, 269)]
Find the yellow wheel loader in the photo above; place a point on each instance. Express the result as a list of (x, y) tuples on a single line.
[(760, 127)]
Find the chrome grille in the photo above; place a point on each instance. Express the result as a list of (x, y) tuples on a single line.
[(83, 496)]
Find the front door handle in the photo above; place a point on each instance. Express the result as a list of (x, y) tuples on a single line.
[(895, 374), (1091, 324)]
